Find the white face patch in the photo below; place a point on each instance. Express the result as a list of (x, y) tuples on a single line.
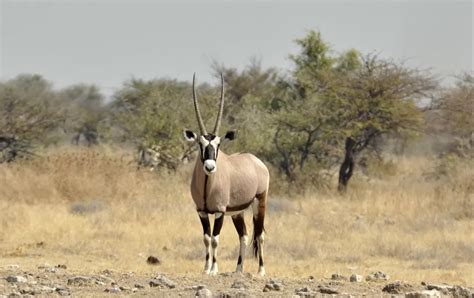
[(210, 166), (203, 141), (215, 142)]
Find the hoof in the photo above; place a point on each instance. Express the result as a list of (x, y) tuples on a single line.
[(213, 273), (261, 272)]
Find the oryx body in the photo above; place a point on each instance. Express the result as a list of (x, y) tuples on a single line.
[(227, 185)]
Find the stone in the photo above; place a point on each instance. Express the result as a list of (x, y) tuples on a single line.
[(337, 276), (139, 286), (397, 287), (424, 294), (355, 278), (204, 293), (62, 291), (305, 292), (162, 282), (79, 281), (377, 276), (113, 290), (16, 279), (327, 290), (152, 260), (12, 267), (239, 284), (273, 285)]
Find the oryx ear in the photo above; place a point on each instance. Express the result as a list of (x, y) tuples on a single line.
[(230, 135), (189, 135)]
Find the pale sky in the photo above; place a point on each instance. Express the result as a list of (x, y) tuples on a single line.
[(107, 42)]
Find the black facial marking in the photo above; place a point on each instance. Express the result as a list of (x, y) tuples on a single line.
[(208, 152)]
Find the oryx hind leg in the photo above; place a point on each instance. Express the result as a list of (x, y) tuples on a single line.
[(206, 226), (239, 223), (259, 207)]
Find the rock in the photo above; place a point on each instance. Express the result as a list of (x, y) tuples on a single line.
[(12, 267), (62, 291), (107, 272), (80, 281), (46, 289), (139, 286), (124, 288), (304, 292), (104, 280), (377, 276), (29, 291), (456, 291), (327, 290), (16, 279), (398, 287), (61, 266), (355, 278), (424, 294), (162, 282), (196, 287), (152, 260), (337, 276), (204, 293), (113, 290), (273, 285), (239, 284), (459, 291)]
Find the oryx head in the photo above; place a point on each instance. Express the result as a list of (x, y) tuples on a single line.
[(208, 142)]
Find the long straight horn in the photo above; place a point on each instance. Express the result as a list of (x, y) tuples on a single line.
[(221, 108), (202, 128)]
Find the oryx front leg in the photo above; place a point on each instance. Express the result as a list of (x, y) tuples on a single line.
[(218, 221), (206, 226), (239, 223)]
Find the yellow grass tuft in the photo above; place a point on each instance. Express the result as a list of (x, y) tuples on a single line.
[(92, 209)]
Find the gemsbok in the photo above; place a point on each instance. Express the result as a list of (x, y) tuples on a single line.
[(227, 185)]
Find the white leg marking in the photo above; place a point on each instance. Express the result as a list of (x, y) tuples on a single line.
[(207, 243), (215, 243), (260, 241), (243, 247)]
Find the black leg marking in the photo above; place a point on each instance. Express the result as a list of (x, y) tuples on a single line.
[(239, 260), (206, 226), (239, 224), (218, 225)]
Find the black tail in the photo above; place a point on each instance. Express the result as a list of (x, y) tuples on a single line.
[(258, 229)]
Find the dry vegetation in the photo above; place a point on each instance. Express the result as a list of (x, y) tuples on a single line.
[(92, 210)]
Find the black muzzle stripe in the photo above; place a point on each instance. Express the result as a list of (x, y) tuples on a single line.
[(209, 153)]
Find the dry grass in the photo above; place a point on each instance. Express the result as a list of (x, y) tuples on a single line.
[(92, 210)]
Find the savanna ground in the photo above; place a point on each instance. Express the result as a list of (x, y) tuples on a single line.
[(92, 211)]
